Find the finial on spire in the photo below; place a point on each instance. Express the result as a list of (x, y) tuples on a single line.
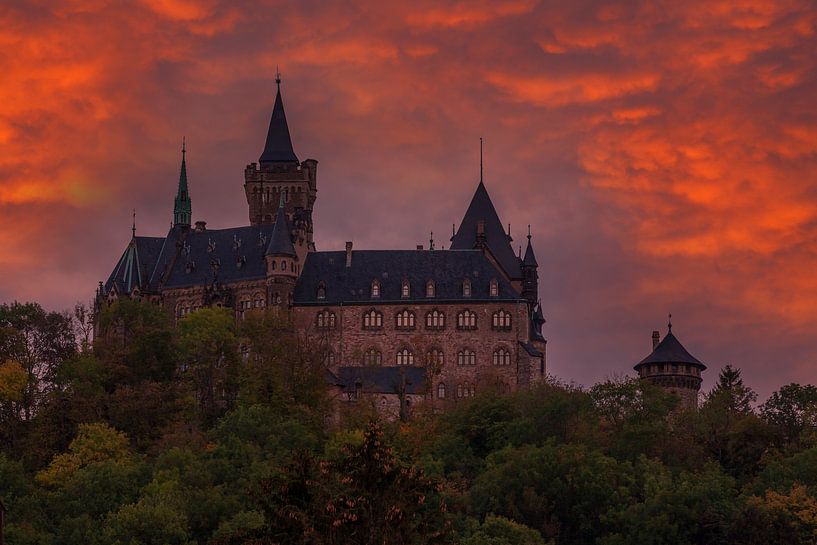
[(277, 76), (529, 231), (184, 147), (480, 159), (431, 241), (669, 321), (133, 227)]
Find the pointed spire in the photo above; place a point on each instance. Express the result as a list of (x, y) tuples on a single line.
[(669, 322), (280, 242), (183, 206), (278, 147), (530, 258), (480, 159), (481, 212)]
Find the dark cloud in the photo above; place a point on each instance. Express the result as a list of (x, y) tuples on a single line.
[(664, 153)]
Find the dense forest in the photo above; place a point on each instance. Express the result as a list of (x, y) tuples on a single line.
[(156, 433)]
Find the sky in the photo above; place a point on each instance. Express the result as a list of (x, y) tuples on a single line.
[(664, 153)]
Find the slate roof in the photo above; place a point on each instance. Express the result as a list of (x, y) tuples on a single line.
[(136, 264), (278, 147), (383, 380), (237, 254), (447, 268), (482, 209), (281, 241), (670, 350)]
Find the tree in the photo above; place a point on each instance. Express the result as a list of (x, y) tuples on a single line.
[(792, 410), (210, 359), (94, 443), (563, 491), (136, 342), (39, 341), (360, 493), (498, 531)]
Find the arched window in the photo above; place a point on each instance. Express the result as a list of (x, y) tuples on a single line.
[(502, 356), (459, 390), (375, 288), (283, 265), (325, 320), (405, 319), (373, 357), (321, 291), (430, 288), (405, 289), (435, 358), (467, 319), (465, 390), (372, 319), (441, 391), (501, 320), (435, 319), (273, 265), (466, 288), (466, 356), (405, 357), (494, 287), (329, 357)]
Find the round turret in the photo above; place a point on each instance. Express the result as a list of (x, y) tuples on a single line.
[(671, 367)]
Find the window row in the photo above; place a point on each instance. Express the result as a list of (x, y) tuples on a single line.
[(464, 389), (406, 320), (430, 289), (434, 357)]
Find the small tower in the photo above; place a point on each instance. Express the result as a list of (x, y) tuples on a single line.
[(283, 265), (182, 205), (279, 175), (671, 367), (530, 275)]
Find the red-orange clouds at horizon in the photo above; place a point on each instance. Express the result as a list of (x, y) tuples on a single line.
[(664, 153)]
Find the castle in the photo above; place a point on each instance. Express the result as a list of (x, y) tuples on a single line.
[(400, 326)]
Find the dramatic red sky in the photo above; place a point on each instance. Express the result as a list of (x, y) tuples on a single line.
[(665, 153)]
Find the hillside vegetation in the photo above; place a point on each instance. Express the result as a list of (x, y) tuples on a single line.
[(172, 434)]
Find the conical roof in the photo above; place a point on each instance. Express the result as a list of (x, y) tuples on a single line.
[(670, 350), (529, 259), (278, 147), (482, 209), (280, 241)]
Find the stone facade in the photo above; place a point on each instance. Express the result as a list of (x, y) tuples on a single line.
[(379, 301)]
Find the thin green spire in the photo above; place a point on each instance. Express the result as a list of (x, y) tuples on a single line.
[(183, 206)]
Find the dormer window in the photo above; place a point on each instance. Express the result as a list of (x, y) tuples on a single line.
[(375, 289), (466, 288), (494, 288), (321, 291), (430, 288), (405, 289)]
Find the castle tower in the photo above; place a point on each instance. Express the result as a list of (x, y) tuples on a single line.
[(280, 176), (671, 367), (283, 264), (182, 205)]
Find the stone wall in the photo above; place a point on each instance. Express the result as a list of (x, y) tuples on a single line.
[(350, 341)]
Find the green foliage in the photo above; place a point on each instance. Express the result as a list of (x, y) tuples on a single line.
[(13, 380), (561, 490), (94, 443), (792, 410), (499, 531)]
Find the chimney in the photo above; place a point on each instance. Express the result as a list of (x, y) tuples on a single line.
[(201, 226), (349, 254), (419, 246), (655, 339)]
